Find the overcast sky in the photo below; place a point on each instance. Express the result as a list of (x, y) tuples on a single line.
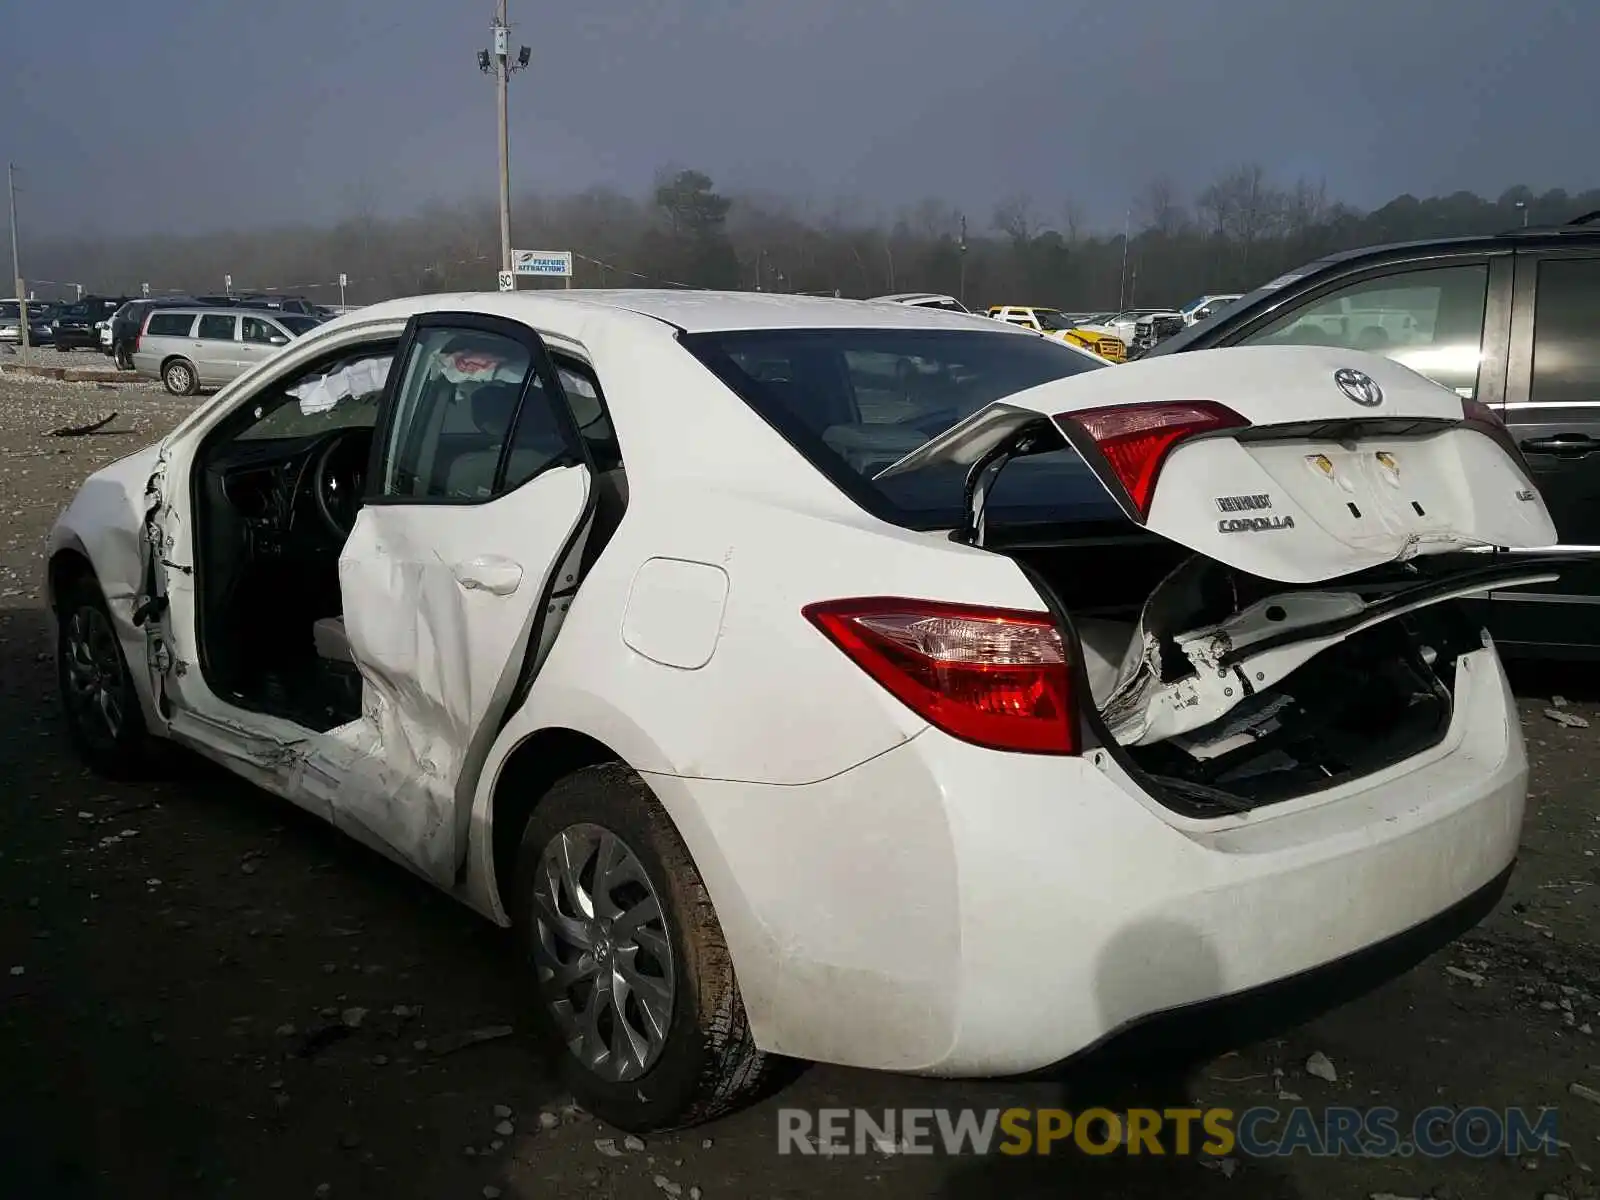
[(174, 114)]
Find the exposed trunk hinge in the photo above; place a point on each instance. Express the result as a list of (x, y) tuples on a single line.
[(981, 477)]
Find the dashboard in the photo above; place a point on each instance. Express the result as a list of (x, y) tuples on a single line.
[(294, 494)]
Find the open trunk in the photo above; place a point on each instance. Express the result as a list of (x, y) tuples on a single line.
[(1227, 691), (1306, 528)]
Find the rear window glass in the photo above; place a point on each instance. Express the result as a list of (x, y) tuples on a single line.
[(853, 401), (169, 324)]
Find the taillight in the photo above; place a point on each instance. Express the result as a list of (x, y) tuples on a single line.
[(991, 676), (1134, 440)]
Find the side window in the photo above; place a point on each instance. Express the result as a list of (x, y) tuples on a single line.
[(342, 391), (588, 407), (1431, 320), (453, 416), (1566, 313), (169, 324), (216, 327), (261, 331)]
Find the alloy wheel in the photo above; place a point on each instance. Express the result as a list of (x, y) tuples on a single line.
[(95, 681), (602, 952)]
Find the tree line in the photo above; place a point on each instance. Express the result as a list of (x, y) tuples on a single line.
[(1240, 230)]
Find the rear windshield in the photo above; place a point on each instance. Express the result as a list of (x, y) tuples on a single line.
[(853, 401)]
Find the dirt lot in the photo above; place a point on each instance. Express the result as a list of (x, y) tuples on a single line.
[(179, 964)]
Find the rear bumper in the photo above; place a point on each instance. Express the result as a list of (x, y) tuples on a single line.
[(948, 910)]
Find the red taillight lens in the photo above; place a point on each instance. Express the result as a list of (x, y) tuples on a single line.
[(1478, 415), (991, 676), (1135, 439)]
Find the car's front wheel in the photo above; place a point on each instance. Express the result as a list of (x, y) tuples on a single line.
[(180, 378), (98, 695), (635, 988)]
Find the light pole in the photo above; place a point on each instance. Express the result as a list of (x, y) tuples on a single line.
[(961, 249), (497, 61), (1122, 284), (1523, 206), (16, 268)]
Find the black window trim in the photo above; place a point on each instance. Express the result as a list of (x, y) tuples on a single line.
[(539, 364), (1491, 387), (1525, 294)]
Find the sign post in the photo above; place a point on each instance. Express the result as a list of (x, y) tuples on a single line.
[(227, 283), (144, 290), (508, 281), (543, 264), (343, 279)]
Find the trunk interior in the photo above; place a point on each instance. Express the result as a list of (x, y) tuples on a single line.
[(1380, 695)]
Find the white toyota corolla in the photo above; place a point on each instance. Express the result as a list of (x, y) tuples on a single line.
[(828, 680)]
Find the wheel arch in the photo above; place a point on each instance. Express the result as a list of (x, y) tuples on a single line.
[(68, 564)]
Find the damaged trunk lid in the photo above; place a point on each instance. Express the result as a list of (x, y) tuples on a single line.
[(1297, 464)]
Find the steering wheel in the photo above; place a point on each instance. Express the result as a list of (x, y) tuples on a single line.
[(338, 477)]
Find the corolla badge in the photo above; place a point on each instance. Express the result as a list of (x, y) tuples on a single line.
[(1360, 387)]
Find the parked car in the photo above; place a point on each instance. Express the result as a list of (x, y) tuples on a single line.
[(1511, 322), (11, 323), (1054, 323), (1121, 325), (925, 300), (77, 326), (193, 348), (1155, 327), (1203, 307), (128, 320), (777, 721)]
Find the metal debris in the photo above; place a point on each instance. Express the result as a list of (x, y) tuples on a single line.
[(1321, 1066), (1570, 720), (83, 430), (1584, 1092)]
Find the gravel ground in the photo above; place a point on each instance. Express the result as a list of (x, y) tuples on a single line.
[(204, 992), (49, 356)]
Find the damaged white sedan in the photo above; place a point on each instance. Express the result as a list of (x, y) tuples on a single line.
[(812, 679)]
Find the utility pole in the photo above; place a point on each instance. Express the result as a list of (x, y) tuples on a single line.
[(497, 61), (16, 267), (961, 250), (1122, 286)]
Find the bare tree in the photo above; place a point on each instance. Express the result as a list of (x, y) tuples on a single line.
[(1013, 217), (1159, 207), (1073, 221)]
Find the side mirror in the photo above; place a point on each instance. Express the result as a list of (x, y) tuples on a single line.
[(278, 341)]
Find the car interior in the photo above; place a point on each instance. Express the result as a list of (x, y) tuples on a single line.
[(278, 487)]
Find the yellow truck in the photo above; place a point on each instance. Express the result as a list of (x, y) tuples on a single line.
[(1052, 322)]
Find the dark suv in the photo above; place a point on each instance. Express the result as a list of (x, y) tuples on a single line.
[(129, 319), (1511, 320), (75, 327)]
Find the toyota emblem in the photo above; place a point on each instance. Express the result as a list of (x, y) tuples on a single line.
[(1360, 387)]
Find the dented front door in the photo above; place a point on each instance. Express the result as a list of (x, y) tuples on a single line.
[(479, 499)]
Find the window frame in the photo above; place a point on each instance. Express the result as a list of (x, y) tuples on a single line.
[(267, 321), (540, 365), (1492, 363), (231, 339), (1524, 315), (194, 321)]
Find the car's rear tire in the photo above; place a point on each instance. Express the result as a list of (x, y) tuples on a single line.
[(98, 696), (180, 377), (653, 941)]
